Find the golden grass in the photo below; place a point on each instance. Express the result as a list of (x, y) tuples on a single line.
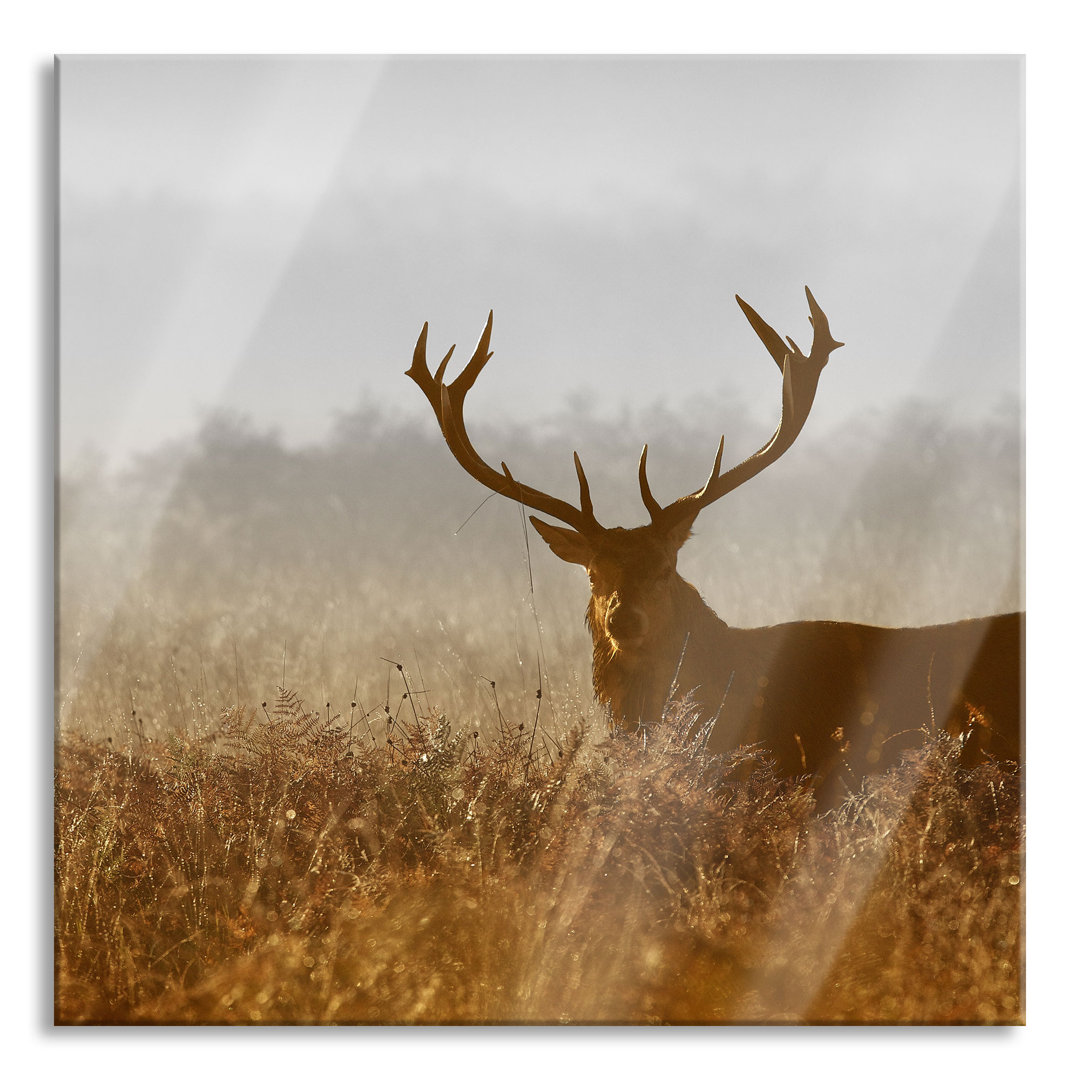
[(235, 866), (281, 870)]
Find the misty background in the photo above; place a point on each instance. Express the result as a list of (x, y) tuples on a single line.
[(249, 247)]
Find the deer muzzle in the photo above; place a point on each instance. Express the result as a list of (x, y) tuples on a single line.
[(626, 624)]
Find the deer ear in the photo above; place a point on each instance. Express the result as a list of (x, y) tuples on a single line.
[(568, 544), (679, 533)]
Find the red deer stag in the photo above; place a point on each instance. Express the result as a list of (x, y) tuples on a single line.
[(829, 699)]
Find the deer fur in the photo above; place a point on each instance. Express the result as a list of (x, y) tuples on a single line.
[(835, 700), (831, 700)]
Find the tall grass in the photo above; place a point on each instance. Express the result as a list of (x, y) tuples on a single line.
[(282, 870), (185, 580), (435, 842)]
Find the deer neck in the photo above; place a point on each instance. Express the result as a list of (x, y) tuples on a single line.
[(636, 684)]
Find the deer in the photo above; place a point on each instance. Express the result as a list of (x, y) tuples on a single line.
[(829, 701)]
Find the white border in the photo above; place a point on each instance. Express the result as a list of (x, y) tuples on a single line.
[(33, 33)]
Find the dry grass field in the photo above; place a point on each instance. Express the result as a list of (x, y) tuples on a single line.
[(279, 870), (414, 845)]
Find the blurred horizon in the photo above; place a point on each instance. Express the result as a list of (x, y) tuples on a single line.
[(250, 246), (186, 580), (267, 235)]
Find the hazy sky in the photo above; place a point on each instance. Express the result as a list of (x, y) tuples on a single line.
[(269, 235)]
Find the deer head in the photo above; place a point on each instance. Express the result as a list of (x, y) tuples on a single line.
[(639, 604)]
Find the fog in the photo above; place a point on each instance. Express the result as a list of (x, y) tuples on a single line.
[(267, 235), (251, 490), (215, 569)]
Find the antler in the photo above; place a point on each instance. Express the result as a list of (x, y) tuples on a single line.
[(800, 374), (447, 401)]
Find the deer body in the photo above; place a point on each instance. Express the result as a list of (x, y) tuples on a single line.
[(828, 699), (825, 695)]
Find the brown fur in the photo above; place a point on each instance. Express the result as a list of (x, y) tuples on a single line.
[(829, 699), (832, 700)]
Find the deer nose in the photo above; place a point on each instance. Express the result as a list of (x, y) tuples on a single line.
[(625, 622)]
